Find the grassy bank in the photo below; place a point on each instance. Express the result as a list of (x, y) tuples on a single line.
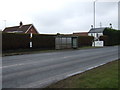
[(105, 76)]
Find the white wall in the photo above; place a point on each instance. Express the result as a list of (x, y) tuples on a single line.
[(96, 35), (98, 43)]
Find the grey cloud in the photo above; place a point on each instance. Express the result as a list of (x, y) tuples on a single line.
[(72, 17), (102, 8), (56, 19), (106, 12)]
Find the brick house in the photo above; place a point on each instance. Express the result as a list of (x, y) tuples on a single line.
[(81, 34), (29, 28)]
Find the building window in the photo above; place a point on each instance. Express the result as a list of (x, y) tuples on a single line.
[(97, 35)]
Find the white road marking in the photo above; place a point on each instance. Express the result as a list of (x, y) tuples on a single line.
[(13, 65), (85, 70), (74, 73), (32, 62)]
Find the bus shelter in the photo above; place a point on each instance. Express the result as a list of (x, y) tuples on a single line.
[(66, 42)]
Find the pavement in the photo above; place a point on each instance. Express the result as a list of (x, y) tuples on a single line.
[(41, 69)]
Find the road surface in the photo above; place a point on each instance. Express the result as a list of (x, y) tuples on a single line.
[(40, 70)]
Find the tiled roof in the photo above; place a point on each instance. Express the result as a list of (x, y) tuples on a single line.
[(81, 33), (20, 29), (96, 30)]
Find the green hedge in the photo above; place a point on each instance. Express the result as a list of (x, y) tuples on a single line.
[(14, 41), (85, 41), (113, 36), (43, 41), (105, 39)]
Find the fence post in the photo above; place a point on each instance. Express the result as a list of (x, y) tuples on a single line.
[(31, 40)]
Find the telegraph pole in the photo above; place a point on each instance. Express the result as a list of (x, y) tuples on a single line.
[(100, 24), (94, 20), (94, 12), (119, 15), (4, 23)]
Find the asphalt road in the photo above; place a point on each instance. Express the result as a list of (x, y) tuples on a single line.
[(39, 70)]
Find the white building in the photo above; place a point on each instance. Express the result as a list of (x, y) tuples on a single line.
[(96, 33)]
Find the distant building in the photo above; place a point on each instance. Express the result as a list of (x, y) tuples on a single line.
[(29, 28), (96, 32), (81, 34)]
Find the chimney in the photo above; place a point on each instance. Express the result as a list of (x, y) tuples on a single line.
[(21, 23), (110, 25), (91, 26)]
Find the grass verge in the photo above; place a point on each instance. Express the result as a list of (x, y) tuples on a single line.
[(23, 51), (105, 76), (33, 51)]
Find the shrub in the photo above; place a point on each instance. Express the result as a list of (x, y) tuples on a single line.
[(43, 41), (85, 41), (114, 36), (11, 41), (105, 39)]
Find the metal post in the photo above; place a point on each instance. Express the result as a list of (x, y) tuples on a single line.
[(94, 13), (119, 15), (100, 25), (94, 17), (31, 40), (94, 20), (4, 23)]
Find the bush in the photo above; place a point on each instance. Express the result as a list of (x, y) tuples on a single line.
[(85, 41), (105, 39), (11, 41), (43, 41), (114, 36)]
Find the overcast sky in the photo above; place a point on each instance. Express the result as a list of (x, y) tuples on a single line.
[(58, 16)]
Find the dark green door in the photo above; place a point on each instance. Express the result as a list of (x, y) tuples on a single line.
[(74, 42)]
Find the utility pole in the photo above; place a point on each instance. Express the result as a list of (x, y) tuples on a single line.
[(94, 18), (100, 24), (4, 23), (118, 15), (94, 12)]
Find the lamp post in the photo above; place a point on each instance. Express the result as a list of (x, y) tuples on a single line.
[(94, 19), (4, 23), (94, 12), (118, 15)]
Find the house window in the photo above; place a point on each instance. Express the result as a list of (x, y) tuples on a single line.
[(97, 35)]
